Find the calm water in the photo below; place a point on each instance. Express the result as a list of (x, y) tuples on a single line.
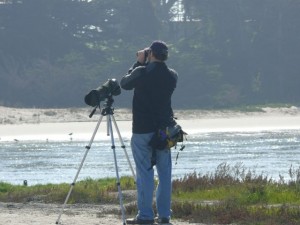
[(56, 161)]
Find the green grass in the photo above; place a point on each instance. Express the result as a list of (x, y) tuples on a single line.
[(230, 195), (86, 191), (246, 194)]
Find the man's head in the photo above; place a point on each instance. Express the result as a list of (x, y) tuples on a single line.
[(159, 50)]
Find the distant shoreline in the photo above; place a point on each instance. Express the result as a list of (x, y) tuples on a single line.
[(56, 115), (24, 124)]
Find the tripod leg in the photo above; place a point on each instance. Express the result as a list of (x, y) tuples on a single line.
[(116, 168), (107, 124), (88, 147), (124, 148)]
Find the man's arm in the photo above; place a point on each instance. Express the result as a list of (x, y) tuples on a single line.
[(129, 81)]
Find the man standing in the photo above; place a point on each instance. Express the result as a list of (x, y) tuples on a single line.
[(153, 83)]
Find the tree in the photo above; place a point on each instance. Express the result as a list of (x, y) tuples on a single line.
[(226, 52)]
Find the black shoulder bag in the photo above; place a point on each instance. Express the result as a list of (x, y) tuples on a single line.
[(166, 138)]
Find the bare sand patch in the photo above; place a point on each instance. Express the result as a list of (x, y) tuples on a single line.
[(39, 213)]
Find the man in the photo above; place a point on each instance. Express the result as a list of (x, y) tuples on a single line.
[(153, 83)]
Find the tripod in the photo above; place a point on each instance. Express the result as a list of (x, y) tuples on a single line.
[(108, 111)]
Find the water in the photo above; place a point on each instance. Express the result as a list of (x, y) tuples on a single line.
[(56, 161)]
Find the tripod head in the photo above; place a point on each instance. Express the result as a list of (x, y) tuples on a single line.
[(107, 107)]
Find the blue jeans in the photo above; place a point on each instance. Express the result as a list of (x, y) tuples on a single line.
[(142, 153)]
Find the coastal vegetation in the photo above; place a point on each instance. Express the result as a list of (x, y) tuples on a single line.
[(230, 195)]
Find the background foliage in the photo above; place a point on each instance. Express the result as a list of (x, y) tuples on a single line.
[(227, 53)]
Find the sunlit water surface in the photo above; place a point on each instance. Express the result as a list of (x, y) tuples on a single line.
[(271, 153)]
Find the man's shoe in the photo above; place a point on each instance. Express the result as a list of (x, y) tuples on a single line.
[(163, 220), (139, 221)]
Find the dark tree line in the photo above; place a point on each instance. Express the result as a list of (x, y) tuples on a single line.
[(227, 53)]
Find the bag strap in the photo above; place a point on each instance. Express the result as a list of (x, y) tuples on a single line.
[(184, 134)]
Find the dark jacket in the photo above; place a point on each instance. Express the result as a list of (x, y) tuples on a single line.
[(153, 86)]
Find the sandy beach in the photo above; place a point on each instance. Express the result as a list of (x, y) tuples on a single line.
[(46, 214), (28, 123)]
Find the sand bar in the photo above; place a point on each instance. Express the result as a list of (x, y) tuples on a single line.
[(45, 123), (29, 131)]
